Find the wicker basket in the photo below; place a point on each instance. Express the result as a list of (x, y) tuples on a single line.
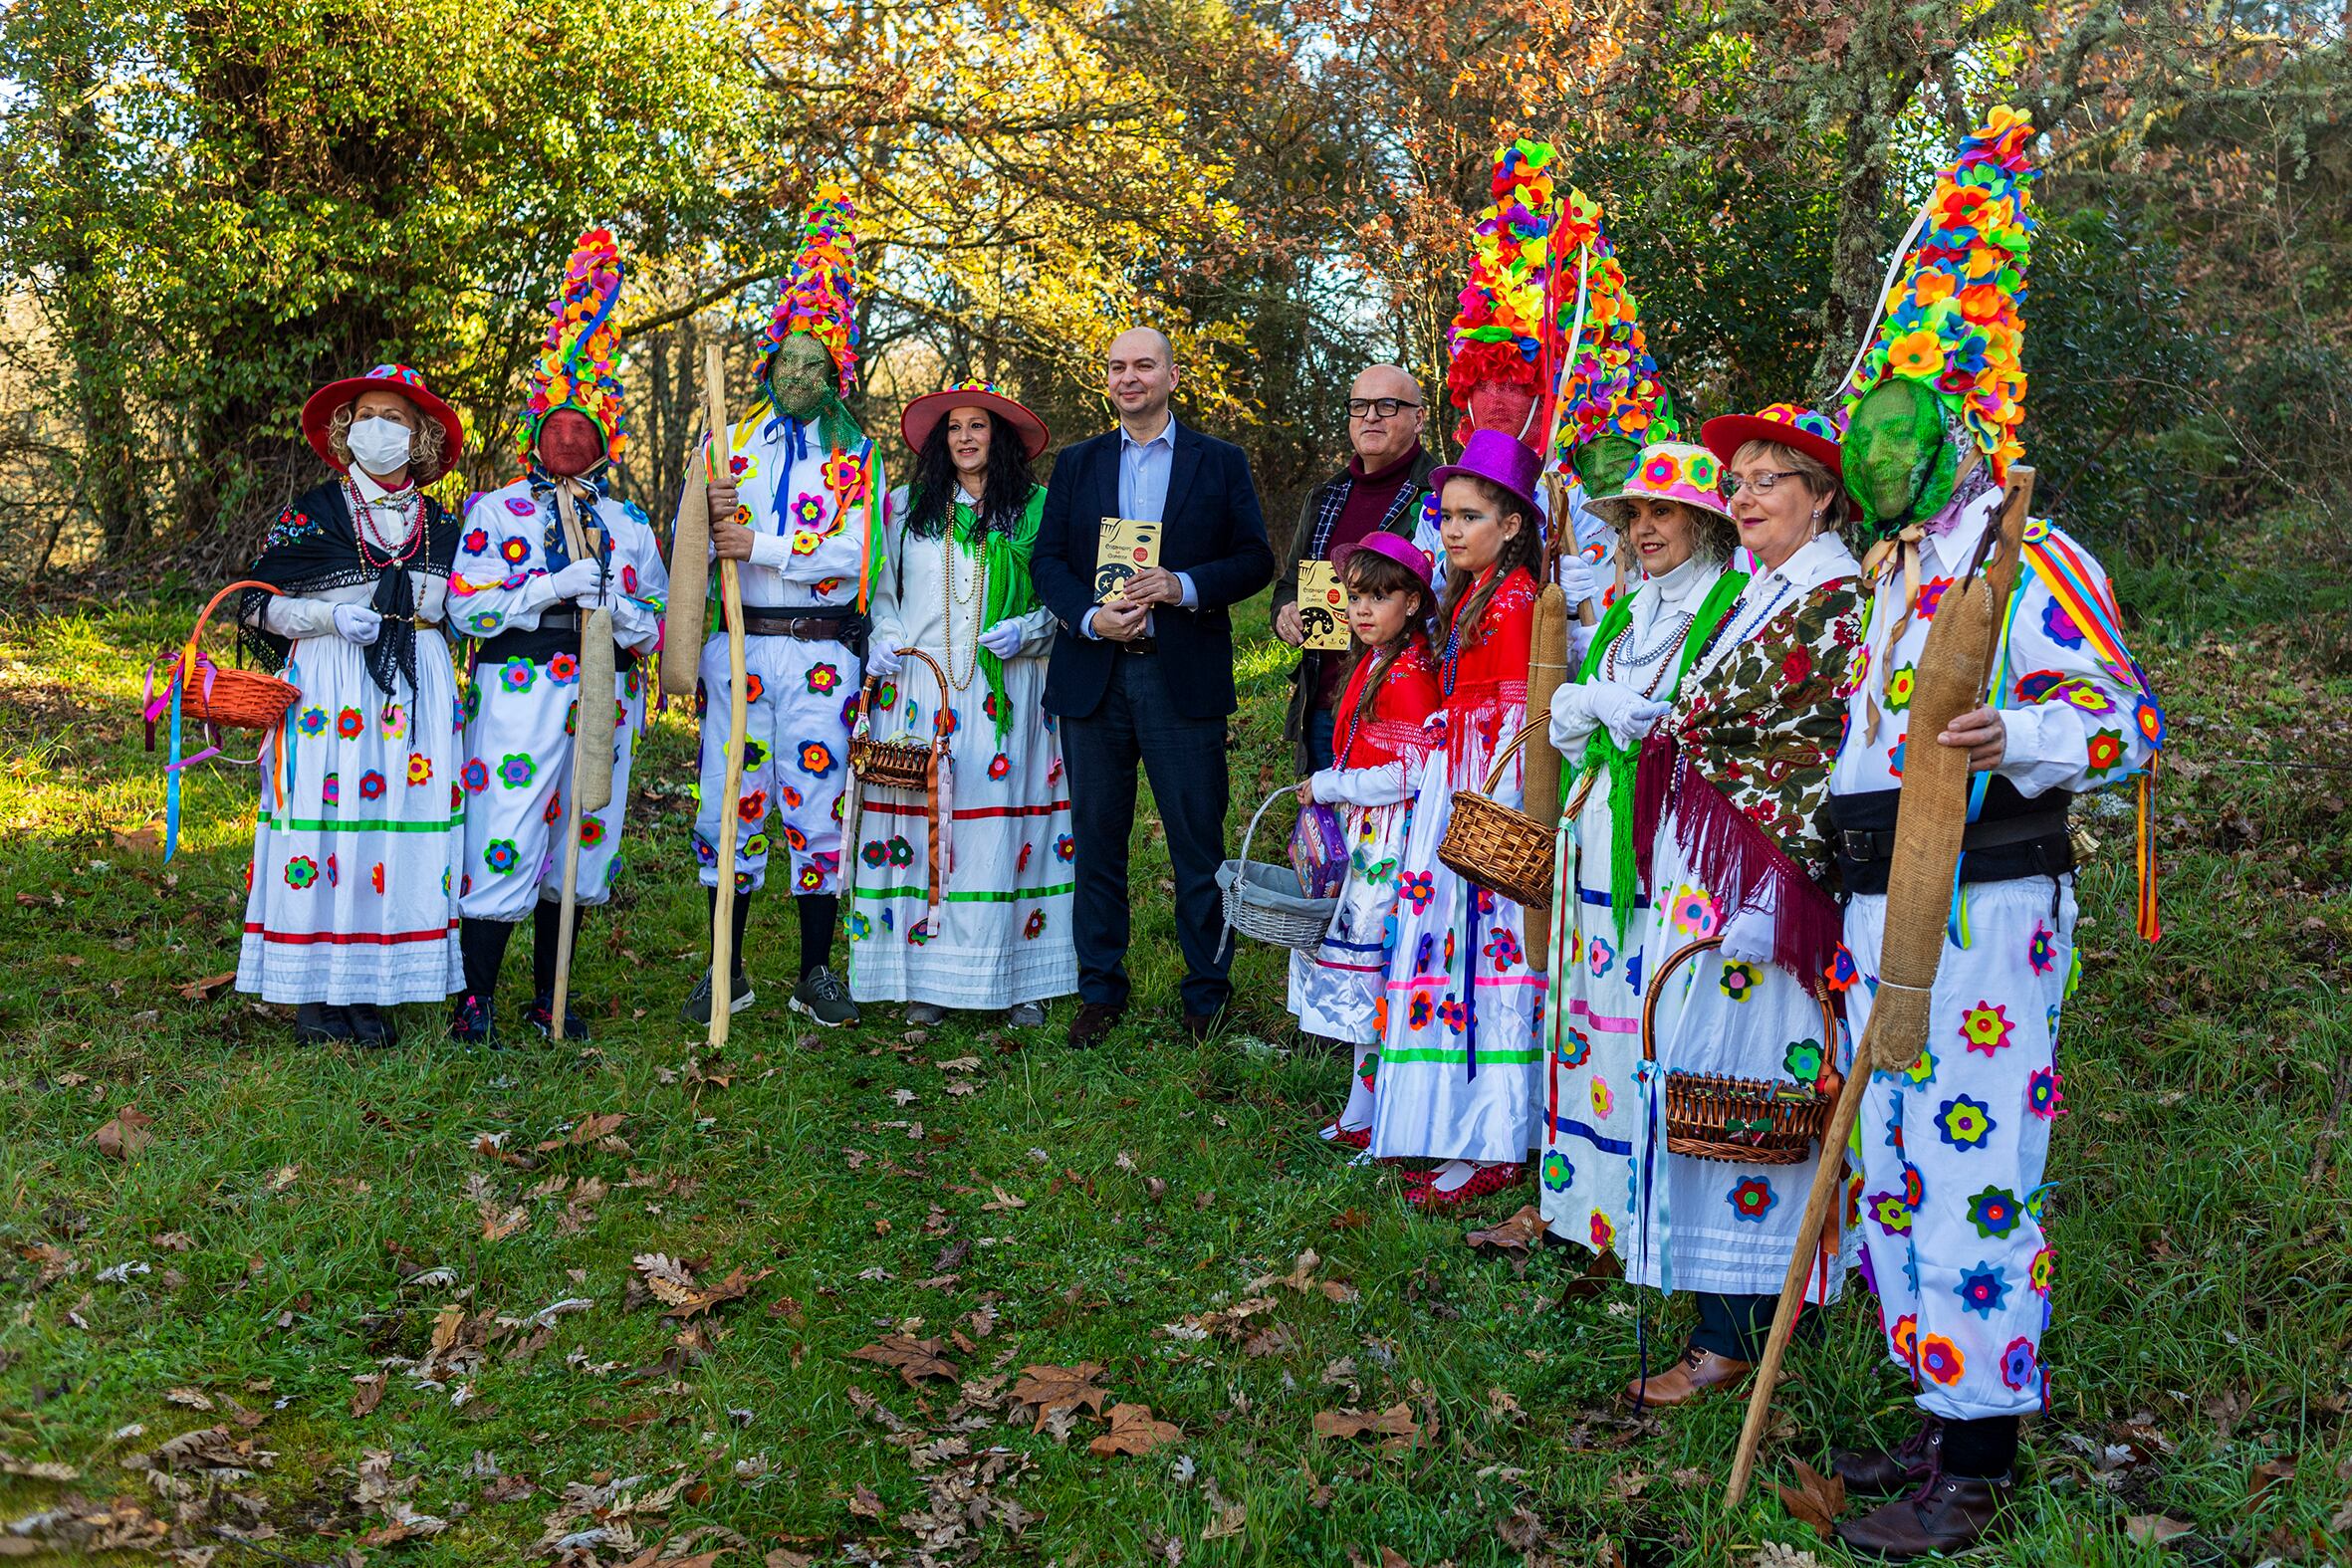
[(1495, 847), (1748, 1121), (227, 699), (1263, 902), (898, 765)]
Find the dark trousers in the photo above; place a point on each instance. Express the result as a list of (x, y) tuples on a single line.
[(1737, 1326), (1185, 761), (1316, 733)]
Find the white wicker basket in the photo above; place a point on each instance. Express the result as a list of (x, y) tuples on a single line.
[(1263, 901)]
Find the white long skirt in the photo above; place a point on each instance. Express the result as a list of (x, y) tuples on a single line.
[(350, 894)]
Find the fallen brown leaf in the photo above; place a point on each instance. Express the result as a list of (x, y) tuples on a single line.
[(367, 1393), (209, 987), (2269, 1473), (1514, 1235), (126, 1134), (2155, 1528), (1003, 1201), (1817, 1500), (1051, 1389), (1133, 1431), (1395, 1425), (864, 1503), (912, 1358)]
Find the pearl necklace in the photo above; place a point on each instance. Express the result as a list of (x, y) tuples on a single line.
[(973, 600)]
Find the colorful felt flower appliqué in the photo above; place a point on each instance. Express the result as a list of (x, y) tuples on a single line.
[(313, 721), (1066, 848), (817, 759), (2104, 753), (515, 675), (516, 769), (420, 769), (1504, 952), (1802, 1060), (1940, 1360), (515, 550), (474, 775), (1987, 1027), (2042, 1272), (1000, 766), (1604, 1231), (500, 855), (823, 679), (591, 832), (1738, 980), (1555, 1171), (372, 784), (301, 872), (2020, 1365), (2043, 951), (2042, 1094), (1454, 1015), (1752, 1199), (1892, 1213), (1598, 956), (1035, 925), (1417, 888), (348, 724), (1420, 1011), (1695, 912), (1602, 1097), (752, 806), (1964, 1123), (1994, 1212), (1983, 1290)]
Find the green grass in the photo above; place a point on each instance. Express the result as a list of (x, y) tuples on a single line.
[(2203, 1308)]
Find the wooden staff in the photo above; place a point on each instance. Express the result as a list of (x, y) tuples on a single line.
[(1931, 814), (714, 402), (591, 744)]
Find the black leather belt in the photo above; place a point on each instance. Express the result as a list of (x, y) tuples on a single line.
[(808, 625), (1141, 646), (1879, 845)]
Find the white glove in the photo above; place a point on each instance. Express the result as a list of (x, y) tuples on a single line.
[(881, 657), (1002, 639), (1627, 716), (1748, 939), (583, 583), (1571, 717), (358, 625), (1577, 582)]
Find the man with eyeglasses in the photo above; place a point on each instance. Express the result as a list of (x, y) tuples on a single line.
[(1379, 490)]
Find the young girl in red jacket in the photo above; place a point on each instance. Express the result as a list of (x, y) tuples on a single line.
[(1379, 748)]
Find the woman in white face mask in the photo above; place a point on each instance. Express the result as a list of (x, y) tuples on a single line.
[(350, 904)]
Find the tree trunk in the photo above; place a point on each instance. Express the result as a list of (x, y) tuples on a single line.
[(101, 391)]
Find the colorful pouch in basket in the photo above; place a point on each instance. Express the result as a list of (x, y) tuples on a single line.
[(1319, 852)]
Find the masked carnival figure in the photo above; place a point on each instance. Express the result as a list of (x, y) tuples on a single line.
[(536, 559)]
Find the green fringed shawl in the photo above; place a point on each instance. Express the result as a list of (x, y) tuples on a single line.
[(1010, 591), (1603, 752)]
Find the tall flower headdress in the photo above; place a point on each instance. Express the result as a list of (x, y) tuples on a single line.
[(1611, 389), (1951, 325), (1506, 329), (575, 361), (820, 297)]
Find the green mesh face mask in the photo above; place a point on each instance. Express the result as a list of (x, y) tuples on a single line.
[(1603, 463), (1899, 459)]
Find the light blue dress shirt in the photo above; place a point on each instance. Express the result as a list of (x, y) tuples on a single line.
[(1143, 494)]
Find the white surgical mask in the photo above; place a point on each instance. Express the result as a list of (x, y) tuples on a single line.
[(378, 445)]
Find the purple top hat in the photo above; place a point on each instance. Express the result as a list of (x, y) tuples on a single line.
[(1501, 458), (1395, 547)]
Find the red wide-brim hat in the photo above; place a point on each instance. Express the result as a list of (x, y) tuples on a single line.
[(922, 416), (1796, 428), (320, 411)]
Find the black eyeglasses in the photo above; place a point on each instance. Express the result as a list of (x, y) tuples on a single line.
[(1760, 484), (1385, 408)]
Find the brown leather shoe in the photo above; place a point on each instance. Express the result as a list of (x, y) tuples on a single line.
[(1889, 1473), (1200, 1026), (1696, 1374), (1096, 1020), (1946, 1515)]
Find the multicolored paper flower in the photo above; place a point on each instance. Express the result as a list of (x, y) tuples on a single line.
[(818, 298), (577, 359)]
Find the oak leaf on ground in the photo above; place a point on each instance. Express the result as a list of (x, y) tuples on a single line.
[(912, 1358), (1050, 1388), (1133, 1431), (1817, 1499)]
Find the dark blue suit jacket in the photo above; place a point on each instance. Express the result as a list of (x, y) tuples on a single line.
[(1211, 529)]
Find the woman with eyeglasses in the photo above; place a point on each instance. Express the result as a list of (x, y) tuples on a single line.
[(1738, 934)]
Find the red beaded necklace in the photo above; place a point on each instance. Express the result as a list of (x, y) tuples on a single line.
[(412, 533)]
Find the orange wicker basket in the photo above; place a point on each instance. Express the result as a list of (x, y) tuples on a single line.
[(232, 698), (1748, 1121), (1495, 847)]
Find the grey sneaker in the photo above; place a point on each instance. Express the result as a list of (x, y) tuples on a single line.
[(1027, 1015), (822, 996), (923, 1014), (696, 1009)]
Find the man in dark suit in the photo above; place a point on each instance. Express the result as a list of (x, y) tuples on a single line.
[(1149, 677)]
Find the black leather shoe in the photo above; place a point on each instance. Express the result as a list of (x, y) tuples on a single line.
[(316, 1023), (1889, 1473), (1200, 1026), (1948, 1513), (1093, 1023), (373, 1028)]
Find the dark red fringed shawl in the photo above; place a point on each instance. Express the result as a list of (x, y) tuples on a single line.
[(1741, 766)]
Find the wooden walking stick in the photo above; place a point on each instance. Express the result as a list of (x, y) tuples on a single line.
[(1930, 816), (593, 726), (714, 402)]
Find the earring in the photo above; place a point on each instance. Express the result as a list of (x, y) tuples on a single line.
[(1817, 513)]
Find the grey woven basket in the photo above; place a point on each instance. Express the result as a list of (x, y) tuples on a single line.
[(1263, 902)]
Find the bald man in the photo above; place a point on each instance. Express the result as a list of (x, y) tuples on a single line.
[(1147, 679), (1379, 490)]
